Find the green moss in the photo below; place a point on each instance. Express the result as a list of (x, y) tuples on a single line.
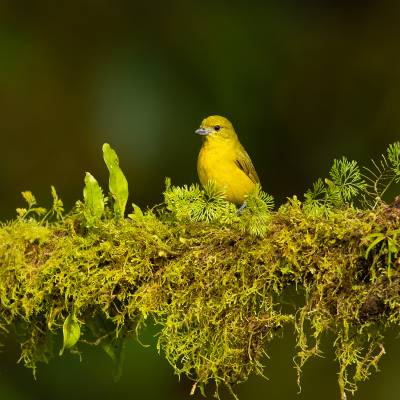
[(213, 282)]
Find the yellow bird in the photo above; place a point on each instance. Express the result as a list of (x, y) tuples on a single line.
[(224, 161)]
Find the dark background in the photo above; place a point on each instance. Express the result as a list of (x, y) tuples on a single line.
[(303, 83)]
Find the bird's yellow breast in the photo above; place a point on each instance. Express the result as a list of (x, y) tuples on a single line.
[(217, 163)]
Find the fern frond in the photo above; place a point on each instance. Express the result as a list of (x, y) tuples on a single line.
[(393, 153), (382, 174), (344, 185), (194, 204), (347, 179), (257, 213)]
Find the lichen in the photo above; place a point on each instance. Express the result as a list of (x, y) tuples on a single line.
[(212, 281)]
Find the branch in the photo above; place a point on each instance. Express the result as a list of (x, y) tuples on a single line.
[(215, 283)]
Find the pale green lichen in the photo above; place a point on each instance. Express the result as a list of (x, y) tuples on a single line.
[(212, 281)]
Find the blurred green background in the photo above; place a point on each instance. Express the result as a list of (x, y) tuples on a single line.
[(303, 83)]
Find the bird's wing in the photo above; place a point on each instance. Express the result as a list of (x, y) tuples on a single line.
[(243, 161)]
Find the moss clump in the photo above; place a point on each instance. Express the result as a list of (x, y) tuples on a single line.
[(211, 280)]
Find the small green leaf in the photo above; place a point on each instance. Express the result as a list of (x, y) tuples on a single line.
[(378, 238), (71, 332), (38, 210), (58, 206), (94, 200), (21, 212), (202, 389), (137, 213), (115, 349), (118, 184), (29, 198)]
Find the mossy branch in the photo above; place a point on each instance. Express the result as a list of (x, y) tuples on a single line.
[(215, 283)]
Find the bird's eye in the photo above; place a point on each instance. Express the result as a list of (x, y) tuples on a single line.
[(217, 128)]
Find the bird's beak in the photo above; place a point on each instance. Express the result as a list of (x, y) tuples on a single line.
[(203, 131)]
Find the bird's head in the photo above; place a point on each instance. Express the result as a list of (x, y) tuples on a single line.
[(217, 128)]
